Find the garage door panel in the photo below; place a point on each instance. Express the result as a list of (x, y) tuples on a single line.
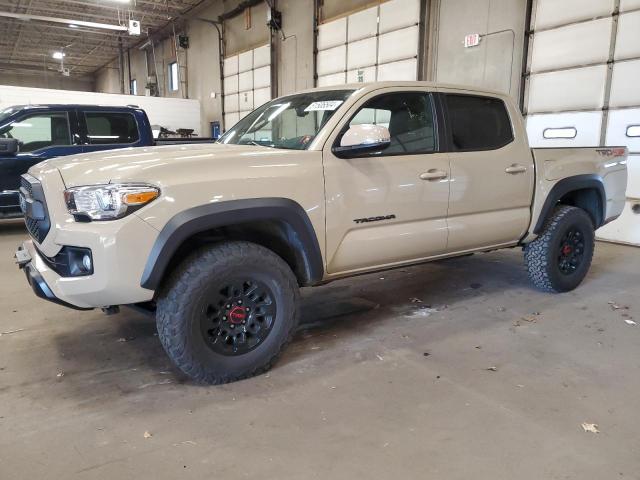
[(363, 24), (361, 53), (626, 5), (333, 79), (230, 119), (245, 81), (625, 90), (332, 34), (332, 60), (231, 65), (246, 100), (359, 75), (577, 129), (633, 179), (231, 84), (231, 103), (552, 13), (403, 70), (397, 14), (262, 56), (245, 61), (261, 96), (262, 77), (398, 45), (623, 128), (576, 89), (628, 38), (574, 45)]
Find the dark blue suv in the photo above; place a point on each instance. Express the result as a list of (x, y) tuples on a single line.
[(31, 134)]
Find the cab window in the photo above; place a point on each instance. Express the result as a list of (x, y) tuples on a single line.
[(38, 131), (409, 118), (478, 123), (106, 128)]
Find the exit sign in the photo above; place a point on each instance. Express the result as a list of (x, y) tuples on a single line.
[(471, 40)]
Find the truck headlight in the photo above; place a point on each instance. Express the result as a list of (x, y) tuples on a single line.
[(108, 202)]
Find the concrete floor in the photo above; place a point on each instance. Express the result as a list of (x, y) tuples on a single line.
[(374, 386)]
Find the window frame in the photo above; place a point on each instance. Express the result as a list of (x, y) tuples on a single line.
[(46, 113), (83, 114), (438, 120), (170, 76), (442, 99)]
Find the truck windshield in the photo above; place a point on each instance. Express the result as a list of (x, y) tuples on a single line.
[(288, 122)]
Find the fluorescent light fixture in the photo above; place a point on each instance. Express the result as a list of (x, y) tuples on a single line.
[(73, 25), (58, 55)]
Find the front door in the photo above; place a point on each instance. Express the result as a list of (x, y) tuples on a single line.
[(389, 207)]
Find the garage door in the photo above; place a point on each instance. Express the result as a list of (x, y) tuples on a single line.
[(582, 90), (247, 83), (378, 43)]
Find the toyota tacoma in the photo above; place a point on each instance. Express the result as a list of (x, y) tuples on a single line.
[(216, 240)]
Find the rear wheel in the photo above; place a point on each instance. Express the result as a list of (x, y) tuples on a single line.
[(227, 312), (559, 259)]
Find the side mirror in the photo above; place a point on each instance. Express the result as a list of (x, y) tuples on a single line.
[(360, 139), (9, 146)]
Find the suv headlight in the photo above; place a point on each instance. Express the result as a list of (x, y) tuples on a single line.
[(108, 202)]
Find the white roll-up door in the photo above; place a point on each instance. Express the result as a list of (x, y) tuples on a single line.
[(247, 83), (378, 43), (582, 89)]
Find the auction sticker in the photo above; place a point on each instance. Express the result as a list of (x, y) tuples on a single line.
[(330, 105)]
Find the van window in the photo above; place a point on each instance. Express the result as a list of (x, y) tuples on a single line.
[(38, 131), (478, 123), (106, 128)]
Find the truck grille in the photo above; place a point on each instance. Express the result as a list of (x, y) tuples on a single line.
[(34, 207)]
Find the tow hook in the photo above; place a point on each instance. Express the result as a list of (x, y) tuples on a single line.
[(111, 309)]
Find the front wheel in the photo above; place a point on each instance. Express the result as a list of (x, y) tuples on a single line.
[(559, 259), (227, 312)]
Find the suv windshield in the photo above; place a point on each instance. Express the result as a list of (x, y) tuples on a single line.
[(288, 122)]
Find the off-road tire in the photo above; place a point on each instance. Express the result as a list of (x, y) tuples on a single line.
[(183, 296), (542, 255)]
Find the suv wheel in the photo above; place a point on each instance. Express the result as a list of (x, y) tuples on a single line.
[(559, 259), (227, 312)]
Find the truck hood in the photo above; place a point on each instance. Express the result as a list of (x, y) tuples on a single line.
[(152, 164)]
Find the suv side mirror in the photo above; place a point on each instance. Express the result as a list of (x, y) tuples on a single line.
[(9, 146), (361, 139)]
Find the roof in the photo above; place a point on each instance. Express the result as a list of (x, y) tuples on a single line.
[(369, 86)]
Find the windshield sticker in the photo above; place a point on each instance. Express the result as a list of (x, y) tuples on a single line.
[(330, 105)]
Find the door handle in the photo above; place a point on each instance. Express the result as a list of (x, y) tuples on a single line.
[(434, 174), (515, 168)]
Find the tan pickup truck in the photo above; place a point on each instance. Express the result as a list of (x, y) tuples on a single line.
[(308, 188)]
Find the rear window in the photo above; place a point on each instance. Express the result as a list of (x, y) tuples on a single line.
[(478, 123), (106, 128)]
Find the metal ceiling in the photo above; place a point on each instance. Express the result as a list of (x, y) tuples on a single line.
[(27, 46)]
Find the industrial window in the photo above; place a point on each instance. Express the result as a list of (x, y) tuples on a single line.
[(173, 76), (39, 131), (409, 118), (562, 132), (478, 123), (133, 87), (108, 128)]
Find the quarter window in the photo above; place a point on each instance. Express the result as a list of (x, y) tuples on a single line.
[(478, 123), (40, 131), (106, 128), (409, 118)]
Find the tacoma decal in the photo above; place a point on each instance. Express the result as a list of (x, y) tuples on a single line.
[(374, 219)]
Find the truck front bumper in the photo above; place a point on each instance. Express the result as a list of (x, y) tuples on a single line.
[(37, 283)]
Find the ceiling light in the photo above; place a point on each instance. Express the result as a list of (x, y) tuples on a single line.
[(58, 55), (72, 25)]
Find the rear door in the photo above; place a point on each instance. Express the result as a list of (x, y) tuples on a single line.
[(104, 129), (492, 171)]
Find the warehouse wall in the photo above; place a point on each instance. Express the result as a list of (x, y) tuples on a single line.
[(48, 80), (497, 62), (296, 48)]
